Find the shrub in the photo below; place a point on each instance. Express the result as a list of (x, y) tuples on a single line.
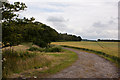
[(53, 49), (36, 49), (40, 43), (48, 49)]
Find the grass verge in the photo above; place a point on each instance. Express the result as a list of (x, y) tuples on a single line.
[(66, 60), (114, 59), (61, 60), (16, 62), (30, 64)]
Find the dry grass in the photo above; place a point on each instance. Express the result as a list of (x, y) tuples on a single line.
[(16, 62), (27, 67), (110, 48), (18, 48), (22, 63)]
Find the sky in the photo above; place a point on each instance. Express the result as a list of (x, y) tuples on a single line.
[(90, 19)]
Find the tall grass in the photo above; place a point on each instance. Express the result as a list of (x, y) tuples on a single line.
[(61, 61), (16, 62), (40, 64), (38, 61)]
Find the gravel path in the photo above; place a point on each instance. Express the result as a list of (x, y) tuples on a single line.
[(88, 65)]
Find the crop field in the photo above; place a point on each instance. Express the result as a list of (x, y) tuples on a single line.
[(111, 48)]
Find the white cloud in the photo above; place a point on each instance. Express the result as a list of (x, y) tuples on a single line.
[(88, 18)]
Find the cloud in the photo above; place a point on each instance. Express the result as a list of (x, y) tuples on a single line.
[(57, 4), (57, 22), (4, 1), (60, 24), (66, 0), (99, 29), (55, 19), (87, 18), (99, 24), (49, 10), (109, 23)]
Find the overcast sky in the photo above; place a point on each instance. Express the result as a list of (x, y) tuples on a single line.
[(91, 19)]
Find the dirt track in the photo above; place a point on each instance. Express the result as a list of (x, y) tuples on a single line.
[(88, 65)]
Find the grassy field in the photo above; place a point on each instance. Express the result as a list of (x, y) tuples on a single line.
[(23, 63), (110, 48)]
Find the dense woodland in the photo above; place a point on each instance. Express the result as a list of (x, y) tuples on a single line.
[(17, 30), (68, 37)]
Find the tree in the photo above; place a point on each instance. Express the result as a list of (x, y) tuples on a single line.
[(68, 37), (9, 22), (8, 10), (17, 30)]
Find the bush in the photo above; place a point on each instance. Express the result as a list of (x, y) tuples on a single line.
[(36, 49), (49, 49), (40, 43), (53, 49)]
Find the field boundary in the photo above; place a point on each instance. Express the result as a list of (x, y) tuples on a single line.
[(114, 59)]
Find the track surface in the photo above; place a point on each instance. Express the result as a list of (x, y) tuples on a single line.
[(88, 65)]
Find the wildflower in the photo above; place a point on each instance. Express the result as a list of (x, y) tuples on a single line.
[(35, 76), (4, 59)]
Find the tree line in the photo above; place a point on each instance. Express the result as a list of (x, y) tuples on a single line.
[(68, 37), (106, 40), (17, 30)]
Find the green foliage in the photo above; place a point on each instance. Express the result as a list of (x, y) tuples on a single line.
[(40, 43), (48, 49), (9, 9), (53, 49), (16, 30), (66, 37), (10, 34), (36, 49)]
